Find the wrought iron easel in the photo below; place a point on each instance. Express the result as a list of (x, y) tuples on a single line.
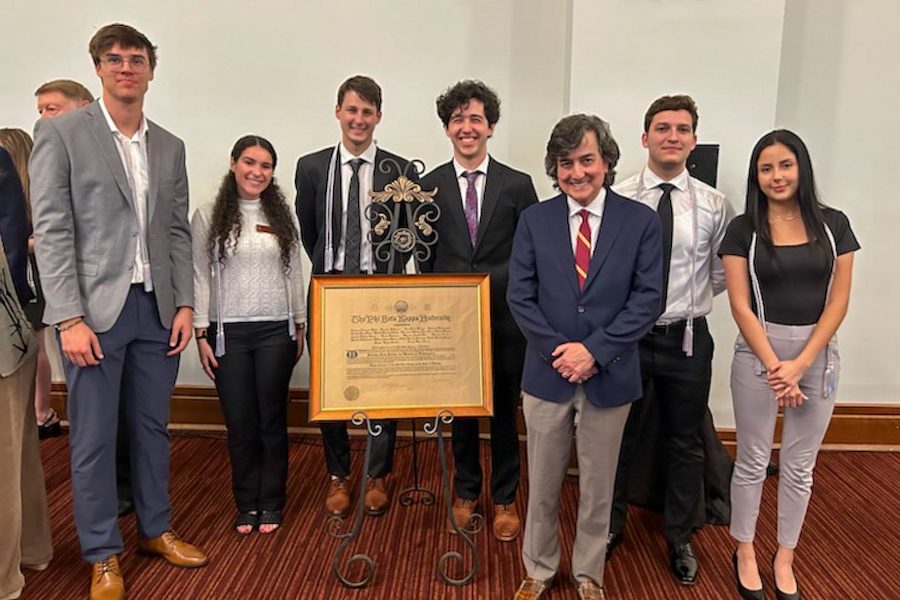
[(402, 217)]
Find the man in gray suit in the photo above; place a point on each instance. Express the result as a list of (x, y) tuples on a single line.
[(109, 201)]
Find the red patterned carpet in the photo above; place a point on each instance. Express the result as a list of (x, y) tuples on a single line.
[(849, 548)]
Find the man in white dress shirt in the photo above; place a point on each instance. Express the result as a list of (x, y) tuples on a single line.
[(676, 356), (333, 187)]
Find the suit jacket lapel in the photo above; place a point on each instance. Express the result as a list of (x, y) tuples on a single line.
[(561, 238), (492, 188), (453, 206), (610, 226), (104, 137), (154, 158), (379, 178)]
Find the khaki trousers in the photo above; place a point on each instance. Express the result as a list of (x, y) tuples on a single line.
[(598, 438), (24, 524)]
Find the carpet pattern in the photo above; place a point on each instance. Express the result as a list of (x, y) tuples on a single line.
[(849, 548)]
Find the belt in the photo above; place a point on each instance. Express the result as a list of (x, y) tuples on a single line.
[(676, 327)]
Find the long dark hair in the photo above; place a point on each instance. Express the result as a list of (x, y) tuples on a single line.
[(225, 229), (811, 208)]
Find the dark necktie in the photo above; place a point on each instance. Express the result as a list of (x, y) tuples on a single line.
[(472, 204), (583, 249), (668, 223), (353, 237)]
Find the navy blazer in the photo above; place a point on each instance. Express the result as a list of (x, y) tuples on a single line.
[(14, 227), (618, 306)]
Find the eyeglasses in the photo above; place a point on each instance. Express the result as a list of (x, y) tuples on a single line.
[(117, 63)]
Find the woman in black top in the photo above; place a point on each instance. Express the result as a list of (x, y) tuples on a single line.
[(788, 263)]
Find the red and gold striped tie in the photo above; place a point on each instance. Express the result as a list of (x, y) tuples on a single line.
[(583, 249)]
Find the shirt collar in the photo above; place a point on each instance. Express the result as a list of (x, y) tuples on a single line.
[(595, 207), (651, 180), (139, 135), (368, 154), (483, 167)]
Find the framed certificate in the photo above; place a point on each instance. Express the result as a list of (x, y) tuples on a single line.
[(400, 346)]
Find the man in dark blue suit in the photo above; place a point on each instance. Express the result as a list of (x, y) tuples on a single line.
[(585, 284)]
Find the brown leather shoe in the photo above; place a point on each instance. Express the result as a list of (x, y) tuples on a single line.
[(337, 502), (462, 512), (174, 550), (588, 590), (533, 589), (377, 498), (106, 580), (506, 522)]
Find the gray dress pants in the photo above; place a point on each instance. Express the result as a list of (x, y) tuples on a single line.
[(135, 371), (803, 429), (598, 438)]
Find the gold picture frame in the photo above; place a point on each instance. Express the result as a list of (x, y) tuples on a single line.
[(400, 346)]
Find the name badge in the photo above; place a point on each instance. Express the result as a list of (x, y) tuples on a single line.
[(264, 229)]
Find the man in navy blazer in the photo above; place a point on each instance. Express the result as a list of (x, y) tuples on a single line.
[(585, 283)]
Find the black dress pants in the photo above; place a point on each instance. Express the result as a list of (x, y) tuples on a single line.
[(252, 381), (679, 385), (336, 443), (505, 462)]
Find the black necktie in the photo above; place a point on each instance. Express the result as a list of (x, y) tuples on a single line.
[(353, 238), (667, 218)]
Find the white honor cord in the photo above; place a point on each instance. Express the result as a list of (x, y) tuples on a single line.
[(761, 311), (216, 271), (333, 165), (329, 209)]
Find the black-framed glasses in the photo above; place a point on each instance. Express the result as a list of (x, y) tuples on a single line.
[(117, 63)]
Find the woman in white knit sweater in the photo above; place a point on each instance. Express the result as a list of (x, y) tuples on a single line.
[(249, 319)]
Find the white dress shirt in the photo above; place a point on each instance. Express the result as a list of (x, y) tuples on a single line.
[(133, 152), (696, 271), (366, 181), (595, 217), (479, 182)]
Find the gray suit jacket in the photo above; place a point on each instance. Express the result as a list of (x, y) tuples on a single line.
[(85, 222)]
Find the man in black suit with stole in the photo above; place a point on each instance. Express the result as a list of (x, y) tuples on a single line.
[(481, 200), (333, 188)]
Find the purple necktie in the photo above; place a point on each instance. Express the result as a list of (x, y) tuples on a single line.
[(472, 204)]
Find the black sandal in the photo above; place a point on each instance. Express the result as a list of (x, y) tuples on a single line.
[(250, 518), (49, 427), (270, 517)]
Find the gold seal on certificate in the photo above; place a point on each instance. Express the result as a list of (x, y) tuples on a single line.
[(400, 346)]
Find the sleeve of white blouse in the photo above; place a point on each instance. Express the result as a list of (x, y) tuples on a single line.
[(298, 290), (199, 233)]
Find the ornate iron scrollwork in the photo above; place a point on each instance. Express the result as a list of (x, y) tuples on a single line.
[(402, 217), (335, 523)]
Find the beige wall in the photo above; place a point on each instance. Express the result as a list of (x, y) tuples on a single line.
[(822, 67)]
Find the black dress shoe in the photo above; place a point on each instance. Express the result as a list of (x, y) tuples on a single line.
[(612, 541), (784, 595), (126, 507), (684, 563), (745, 593)]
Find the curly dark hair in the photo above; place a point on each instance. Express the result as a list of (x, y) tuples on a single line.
[(459, 96), (225, 228)]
